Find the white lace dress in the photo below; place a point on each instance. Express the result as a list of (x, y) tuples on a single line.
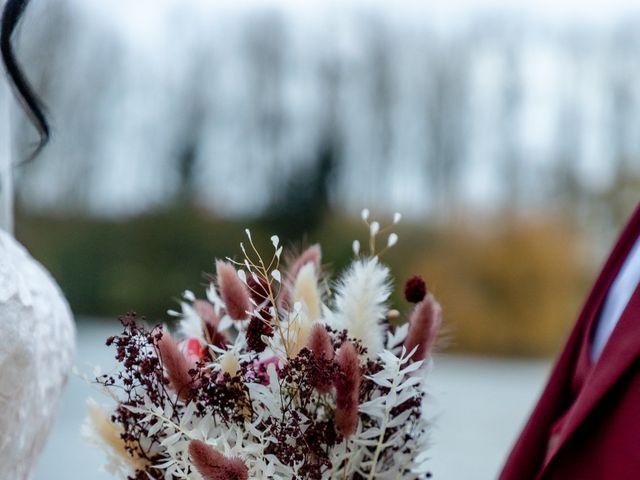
[(36, 350)]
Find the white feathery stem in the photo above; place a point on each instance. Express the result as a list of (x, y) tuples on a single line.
[(360, 303)]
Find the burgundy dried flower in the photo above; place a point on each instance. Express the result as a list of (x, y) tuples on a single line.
[(255, 330), (347, 389), (258, 289), (423, 327), (212, 465), (415, 289), (216, 337), (176, 365), (233, 291)]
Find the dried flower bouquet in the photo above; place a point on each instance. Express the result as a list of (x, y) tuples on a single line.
[(275, 376)]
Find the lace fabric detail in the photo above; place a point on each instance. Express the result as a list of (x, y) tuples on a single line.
[(37, 338)]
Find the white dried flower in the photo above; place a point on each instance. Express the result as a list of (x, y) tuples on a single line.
[(229, 362), (360, 303), (242, 275), (356, 247), (389, 445), (277, 276), (392, 240)]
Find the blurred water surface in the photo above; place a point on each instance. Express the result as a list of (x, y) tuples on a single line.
[(479, 405)]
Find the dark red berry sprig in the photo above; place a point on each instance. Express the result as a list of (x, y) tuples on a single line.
[(255, 331), (415, 289)]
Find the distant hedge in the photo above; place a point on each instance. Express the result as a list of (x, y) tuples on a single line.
[(506, 288)]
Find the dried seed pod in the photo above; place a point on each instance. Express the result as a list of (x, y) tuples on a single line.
[(424, 324)]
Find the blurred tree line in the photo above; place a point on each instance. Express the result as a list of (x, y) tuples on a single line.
[(509, 146), (224, 107), (511, 289)]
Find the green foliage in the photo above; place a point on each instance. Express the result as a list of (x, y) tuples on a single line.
[(106, 268), (510, 289)]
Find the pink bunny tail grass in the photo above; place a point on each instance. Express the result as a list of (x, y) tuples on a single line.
[(176, 364), (212, 465), (206, 312), (320, 342), (313, 255), (424, 325), (322, 349), (234, 293), (211, 319), (347, 389)]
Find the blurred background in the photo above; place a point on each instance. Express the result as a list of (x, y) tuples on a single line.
[(506, 132)]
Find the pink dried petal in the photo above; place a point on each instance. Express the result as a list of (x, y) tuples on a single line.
[(233, 291), (259, 370), (347, 389), (212, 465), (206, 312), (211, 319), (424, 324), (176, 365), (192, 350)]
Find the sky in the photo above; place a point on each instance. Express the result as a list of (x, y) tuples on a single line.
[(562, 12)]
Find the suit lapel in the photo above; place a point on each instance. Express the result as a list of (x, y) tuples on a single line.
[(622, 349), (529, 452), (623, 346)]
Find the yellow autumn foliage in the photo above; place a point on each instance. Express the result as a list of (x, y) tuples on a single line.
[(514, 289)]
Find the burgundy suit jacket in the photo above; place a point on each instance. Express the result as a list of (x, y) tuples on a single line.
[(602, 435)]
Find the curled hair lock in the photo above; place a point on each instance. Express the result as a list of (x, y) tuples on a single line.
[(31, 104)]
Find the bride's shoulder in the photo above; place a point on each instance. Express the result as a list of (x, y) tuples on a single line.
[(25, 285), (15, 269), (36, 354), (35, 318)]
